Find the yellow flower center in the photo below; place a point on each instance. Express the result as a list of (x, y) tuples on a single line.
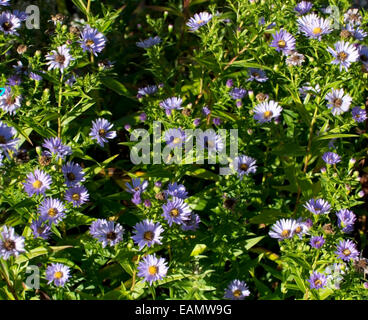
[(317, 30), (337, 102), (58, 275), (346, 252), (237, 293), (148, 235), (89, 42), (75, 197), (317, 282), (342, 56), (298, 229), (285, 233), (152, 270), (52, 212), (174, 212), (244, 167), (200, 21), (102, 132), (37, 184), (177, 140), (268, 114), (281, 44)]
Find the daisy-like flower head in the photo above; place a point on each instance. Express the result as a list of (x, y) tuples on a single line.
[(73, 174), (317, 280), (331, 158), (170, 104), (35, 76), (359, 114), (59, 58), (9, 23), (363, 54), (7, 140), (10, 243), (107, 232), (236, 290), (41, 228), (210, 140), (283, 229), (21, 15), (338, 101), (191, 224), (57, 148), (9, 102), (14, 80), (317, 242), (199, 20), (148, 43), (244, 165), (344, 54), (4, 3), (334, 274), (266, 111), (257, 74), (52, 210), (77, 195), (175, 137), (308, 89), (353, 16), (319, 206), (92, 40), (147, 91), (176, 190), (346, 220), (300, 228), (354, 31), (57, 273), (295, 59), (346, 250), (283, 41), (147, 233), (151, 268), (238, 93), (313, 26), (303, 7), (37, 182), (138, 185), (101, 131), (176, 211)]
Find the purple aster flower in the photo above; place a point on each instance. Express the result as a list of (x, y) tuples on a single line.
[(148, 42), (238, 93), (5, 3), (229, 83), (216, 121), (257, 74), (170, 104), (7, 140), (244, 165), (35, 76), (314, 27), (199, 20), (236, 290), (346, 250), (355, 32), (317, 280), (206, 111), (338, 101), (346, 220), (57, 148), (52, 210), (308, 89), (9, 102), (344, 54), (147, 203), (101, 131), (363, 54), (41, 229), (318, 206), (359, 114), (295, 59), (143, 117), (300, 228), (175, 137), (57, 273), (73, 174), (59, 58), (10, 243), (266, 111), (283, 229), (37, 182), (138, 185), (196, 122), (152, 268), (147, 233), (353, 16), (9, 23), (107, 232), (147, 91), (176, 190), (71, 80), (77, 195), (210, 140), (191, 224), (283, 41), (331, 158), (303, 7), (14, 80), (176, 210), (136, 198), (317, 242), (21, 15), (92, 40)]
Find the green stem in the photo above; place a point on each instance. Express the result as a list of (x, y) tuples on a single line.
[(59, 105)]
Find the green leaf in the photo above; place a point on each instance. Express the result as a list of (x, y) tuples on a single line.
[(198, 249), (39, 251), (116, 86), (252, 242), (335, 136)]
